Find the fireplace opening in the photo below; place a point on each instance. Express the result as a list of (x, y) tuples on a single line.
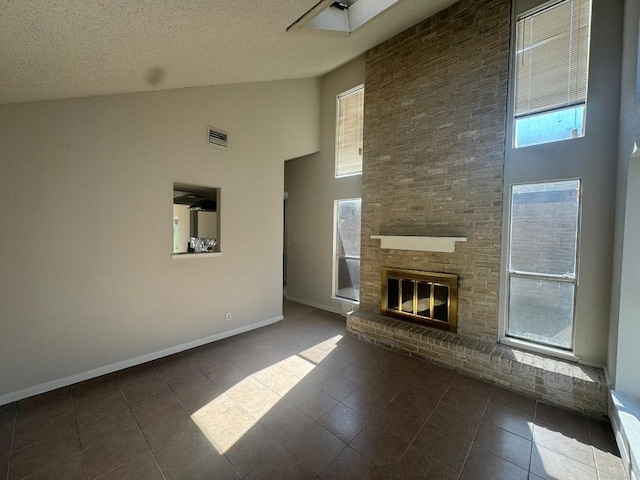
[(425, 297)]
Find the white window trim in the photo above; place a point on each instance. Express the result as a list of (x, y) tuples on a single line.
[(520, 9), (539, 348), (503, 305), (344, 300), (334, 253), (337, 119)]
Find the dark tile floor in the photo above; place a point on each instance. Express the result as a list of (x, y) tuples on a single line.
[(297, 400)]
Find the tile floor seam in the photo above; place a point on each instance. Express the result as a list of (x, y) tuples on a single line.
[(430, 415), (232, 465), (475, 434), (596, 463), (207, 436), (105, 473), (593, 448), (533, 424), (505, 459), (401, 457), (319, 475), (146, 440), (592, 467), (299, 460), (557, 450), (11, 452), (13, 436), (530, 456), (73, 407), (209, 439), (410, 444), (569, 458), (267, 386)]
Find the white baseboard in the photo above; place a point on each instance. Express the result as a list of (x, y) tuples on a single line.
[(319, 306), (625, 420), (132, 362)]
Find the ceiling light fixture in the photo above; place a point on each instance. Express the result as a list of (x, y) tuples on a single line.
[(340, 5), (342, 16)]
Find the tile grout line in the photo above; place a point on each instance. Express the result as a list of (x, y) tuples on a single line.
[(562, 453), (475, 434), (44, 417), (422, 427), (209, 439), (13, 435), (593, 450), (140, 428), (533, 443), (75, 418)]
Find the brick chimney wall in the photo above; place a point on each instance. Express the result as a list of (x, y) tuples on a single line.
[(435, 112)]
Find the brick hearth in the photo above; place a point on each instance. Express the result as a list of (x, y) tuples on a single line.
[(558, 382)]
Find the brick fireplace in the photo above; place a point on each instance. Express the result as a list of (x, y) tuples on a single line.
[(426, 298), (435, 107), (434, 125)]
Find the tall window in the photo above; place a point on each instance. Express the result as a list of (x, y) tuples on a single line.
[(349, 128), (552, 66), (347, 249), (543, 242)]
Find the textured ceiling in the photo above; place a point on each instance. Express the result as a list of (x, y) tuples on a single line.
[(52, 49)]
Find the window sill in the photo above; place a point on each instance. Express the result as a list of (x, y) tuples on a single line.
[(347, 175), (179, 256), (534, 347), (625, 418), (344, 300)]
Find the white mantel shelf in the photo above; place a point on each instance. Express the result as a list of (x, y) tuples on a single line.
[(421, 244)]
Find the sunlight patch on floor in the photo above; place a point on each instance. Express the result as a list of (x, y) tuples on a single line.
[(227, 418)]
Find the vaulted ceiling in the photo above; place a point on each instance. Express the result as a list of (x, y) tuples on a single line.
[(54, 49)]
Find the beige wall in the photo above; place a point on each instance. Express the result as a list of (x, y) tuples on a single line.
[(624, 333), (592, 159), (80, 287), (312, 189)]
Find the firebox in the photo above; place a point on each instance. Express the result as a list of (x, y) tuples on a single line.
[(425, 297)]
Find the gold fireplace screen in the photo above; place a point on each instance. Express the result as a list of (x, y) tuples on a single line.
[(425, 297)]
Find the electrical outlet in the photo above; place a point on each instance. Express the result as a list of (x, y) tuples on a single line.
[(228, 316)]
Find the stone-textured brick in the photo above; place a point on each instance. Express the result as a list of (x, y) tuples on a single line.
[(435, 102), (435, 106), (568, 385)]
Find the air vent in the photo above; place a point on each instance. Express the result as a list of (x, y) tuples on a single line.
[(217, 137)]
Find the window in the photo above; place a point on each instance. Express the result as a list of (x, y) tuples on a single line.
[(196, 220), (543, 243), (347, 249), (551, 73), (349, 123)]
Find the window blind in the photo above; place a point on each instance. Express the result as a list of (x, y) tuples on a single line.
[(349, 132), (552, 57)]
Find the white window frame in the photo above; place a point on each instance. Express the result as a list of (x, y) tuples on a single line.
[(504, 337), (336, 257), (338, 132), (551, 109)]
